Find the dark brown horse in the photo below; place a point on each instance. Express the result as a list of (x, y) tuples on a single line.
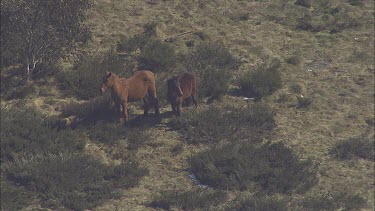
[(141, 85), (181, 88)]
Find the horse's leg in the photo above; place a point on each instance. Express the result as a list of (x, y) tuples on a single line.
[(154, 98), (194, 98), (146, 106), (125, 112), (179, 104), (187, 101), (194, 93), (156, 106), (174, 107)]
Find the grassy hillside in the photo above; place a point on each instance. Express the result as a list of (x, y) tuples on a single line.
[(324, 114)]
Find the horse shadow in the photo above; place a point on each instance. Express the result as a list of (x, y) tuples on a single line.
[(135, 120)]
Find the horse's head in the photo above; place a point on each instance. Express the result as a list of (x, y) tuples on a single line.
[(108, 81), (174, 87)]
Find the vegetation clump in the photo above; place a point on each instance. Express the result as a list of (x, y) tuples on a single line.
[(249, 123), (213, 64), (85, 79), (360, 147), (263, 81), (273, 167), (101, 104), (26, 132), (72, 180)]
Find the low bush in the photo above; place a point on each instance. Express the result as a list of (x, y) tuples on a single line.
[(304, 3), (154, 54), (264, 203), (188, 200), (14, 197), (84, 81), (72, 180), (263, 81), (213, 64), (360, 147), (157, 56), (249, 123), (92, 107), (211, 54), (356, 2), (273, 167), (27, 132), (294, 60), (214, 83)]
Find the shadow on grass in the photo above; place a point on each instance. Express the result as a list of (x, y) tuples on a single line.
[(135, 121)]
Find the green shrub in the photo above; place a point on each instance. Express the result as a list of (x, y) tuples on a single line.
[(296, 88), (213, 64), (245, 123), (305, 22), (304, 3), (89, 108), (157, 56), (264, 203), (84, 81), (14, 86), (131, 44), (14, 197), (356, 2), (211, 55), (27, 132), (263, 81), (294, 60), (214, 82), (75, 181), (274, 167), (361, 147), (188, 200)]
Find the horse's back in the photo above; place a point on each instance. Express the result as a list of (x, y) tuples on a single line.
[(144, 74), (141, 83)]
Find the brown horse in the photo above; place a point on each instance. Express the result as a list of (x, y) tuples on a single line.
[(181, 88), (141, 85)]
